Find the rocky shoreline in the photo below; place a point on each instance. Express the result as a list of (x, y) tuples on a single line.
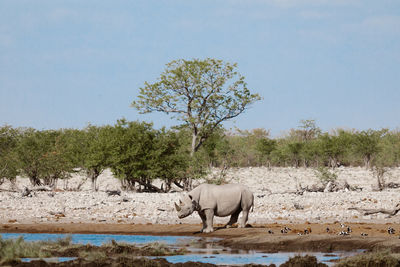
[(275, 200)]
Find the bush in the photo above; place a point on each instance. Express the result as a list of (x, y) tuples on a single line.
[(325, 175)]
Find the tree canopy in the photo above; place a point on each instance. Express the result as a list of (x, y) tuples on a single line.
[(200, 93)]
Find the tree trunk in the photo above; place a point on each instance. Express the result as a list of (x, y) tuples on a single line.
[(35, 181), (367, 161), (187, 183), (333, 162), (194, 139), (148, 186)]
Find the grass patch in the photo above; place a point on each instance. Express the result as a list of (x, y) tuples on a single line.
[(303, 261), (11, 249), (372, 259), (93, 255)]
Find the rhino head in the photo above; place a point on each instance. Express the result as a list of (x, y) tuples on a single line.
[(186, 206)]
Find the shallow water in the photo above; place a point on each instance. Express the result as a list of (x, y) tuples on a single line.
[(54, 259), (255, 258), (99, 239), (201, 249)]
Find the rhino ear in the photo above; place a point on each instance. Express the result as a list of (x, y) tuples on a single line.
[(180, 202), (177, 207), (191, 198)]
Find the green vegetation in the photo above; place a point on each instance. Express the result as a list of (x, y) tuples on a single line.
[(137, 154), (325, 175), (202, 94), (8, 158), (43, 156)]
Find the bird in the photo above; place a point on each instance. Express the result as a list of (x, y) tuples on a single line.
[(349, 229), (327, 229), (270, 232), (391, 231), (364, 234), (343, 233)]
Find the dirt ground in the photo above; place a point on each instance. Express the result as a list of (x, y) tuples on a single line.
[(255, 237)]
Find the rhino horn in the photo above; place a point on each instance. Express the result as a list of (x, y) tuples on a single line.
[(177, 207)]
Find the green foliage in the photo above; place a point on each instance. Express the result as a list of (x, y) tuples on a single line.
[(325, 175), (137, 153), (245, 147), (200, 93), (96, 151), (42, 156), (8, 157), (132, 144), (366, 144), (334, 148), (170, 158), (140, 154), (293, 150), (265, 146), (389, 150)]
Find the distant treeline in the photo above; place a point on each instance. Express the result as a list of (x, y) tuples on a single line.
[(137, 153)]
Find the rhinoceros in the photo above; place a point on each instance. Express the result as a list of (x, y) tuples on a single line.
[(219, 200)]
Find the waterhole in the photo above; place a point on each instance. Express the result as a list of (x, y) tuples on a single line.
[(206, 250)]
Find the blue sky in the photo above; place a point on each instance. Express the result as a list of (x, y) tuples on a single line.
[(64, 64)]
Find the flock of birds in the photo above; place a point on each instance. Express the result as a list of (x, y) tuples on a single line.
[(346, 230)]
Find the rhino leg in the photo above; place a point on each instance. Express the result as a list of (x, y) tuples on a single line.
[(203, 219), (209, 213), (233, 219), (243, 219)]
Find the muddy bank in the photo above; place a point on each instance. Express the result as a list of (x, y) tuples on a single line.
[(266, 237)]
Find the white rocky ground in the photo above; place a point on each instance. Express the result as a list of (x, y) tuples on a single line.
[(273, 190)]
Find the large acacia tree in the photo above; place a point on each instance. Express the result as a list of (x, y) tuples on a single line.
[(200, 93)]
